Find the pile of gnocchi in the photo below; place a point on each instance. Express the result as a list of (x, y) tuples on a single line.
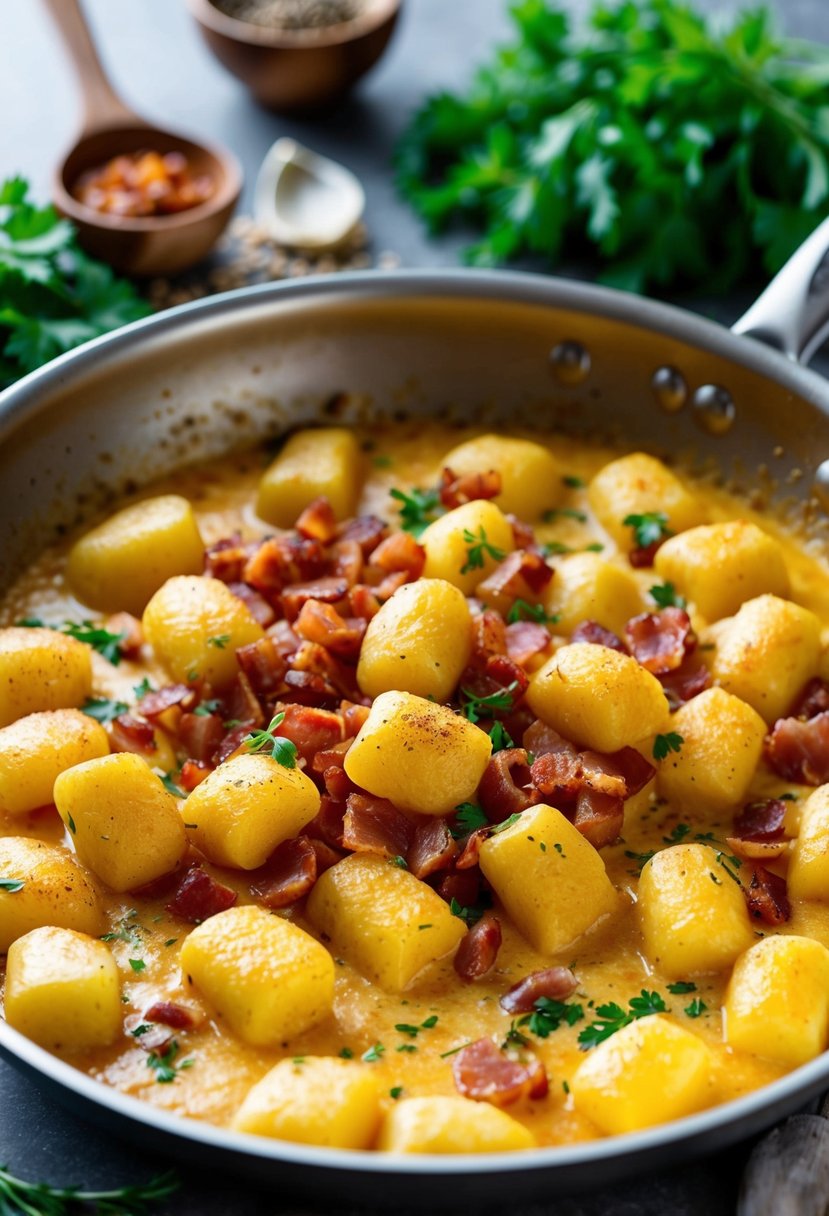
[(420, 791)]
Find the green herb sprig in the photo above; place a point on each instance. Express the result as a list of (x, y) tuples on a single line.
[(19, 1198), (478, 548), (282, 750), (418, 509), (612, 1017)]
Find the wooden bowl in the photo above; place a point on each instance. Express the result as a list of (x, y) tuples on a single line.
[(302, 69), (156, 245)]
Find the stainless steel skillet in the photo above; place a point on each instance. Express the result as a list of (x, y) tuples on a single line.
[(506, 348)]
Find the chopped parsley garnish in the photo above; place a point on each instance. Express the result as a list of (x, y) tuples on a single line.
[(142, 689), (474, 708), (453, 1051), (696, 1008), (468, 818), (727, 860), (32, 1198), (164, 1065), (418, 509), (641, 859), (102, 709), (500, 736), (514, 1037), (521, 610), (555, 548), (382, 462), (469, 915), (373, 1054), (12, 885), (478, 549), (665, 595), (612, 1017), (413, 1031), (679, 832), (106, 643), (169, 783), (508, 822), (548, 1015), (408, 1047), (220, 641), (564, 513), (137, 964), (282, 750), (345, 1053), (664, 744), (575, 483), (70, 823), (395, 1091), (648, 528), (400, 862), (206, 709), (681, 987)]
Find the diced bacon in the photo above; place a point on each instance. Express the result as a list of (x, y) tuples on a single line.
[(332, 757), (366, 530), (347, 561), (553, 983), (688, 681), (285, 641), (635, 769), (463, 885), (199, 896), (311, 657), (129, 734), (326, 855), (200, 735), (151, 1036), (813, 700), (283, 560), (240, 703), (476, 954), (354, 718), (317, 521), (592, 631), (659, 641), (169, 1013), (558, 773), (164, 707), (641, 557), (288, 875), (318, 622), (232, 742), (522, 532), (328, 823), (308, 688), (761, 820), (264, 666), (363, 602), (132, 633), (489, 636), (157, 888), (539, 738), (505, 672), (192, 773), (400, 551), (311, 730), (256, 604), (329, 590), (337, 783), (486, 1074), (525, 639), (227, 559), (523, 574), (432, 848), (599, 817), (470, 853), (374, 825), (799, 751), (505, 788), (767, 897), (456, 489)]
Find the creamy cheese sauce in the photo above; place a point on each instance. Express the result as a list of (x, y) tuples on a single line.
[(609, 961)]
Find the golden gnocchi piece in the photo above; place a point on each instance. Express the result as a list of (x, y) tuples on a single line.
[(419, 642), (118, 565), (35, 750), (41, 669), (62, 990), (720, 566), (598, 697), (587, 587), (419, 755), (312, 464), (195, 626), (639, 484), (808, 875), (451, 1125), (766, 653), (43, 885), (267, 979), (531, 480), (465, 545)]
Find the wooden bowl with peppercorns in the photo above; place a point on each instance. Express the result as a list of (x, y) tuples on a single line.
[(296, 54)]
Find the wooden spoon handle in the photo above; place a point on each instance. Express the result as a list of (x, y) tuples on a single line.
[(788, 1171), (102, 107)]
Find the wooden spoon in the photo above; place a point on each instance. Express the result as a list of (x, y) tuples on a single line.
[(138, 245), (788, 1172)]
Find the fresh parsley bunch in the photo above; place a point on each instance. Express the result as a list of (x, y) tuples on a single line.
[(52, 296), (676, 148)]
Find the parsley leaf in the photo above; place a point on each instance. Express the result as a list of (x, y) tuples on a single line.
[(641, 859), (696, 1008), (664, 744), (548, 1015), (501, 738), (611, 1017), (469, 915), (681, 987), (282, 750), (665, 595), (468, 818), (102, 709), (522, 611), (418, 509), (679, 832), (106, 643), (220, 641), (649, 528), (12, 885), (478, 549), (474, 708), (373, 1054), (164, 1065)]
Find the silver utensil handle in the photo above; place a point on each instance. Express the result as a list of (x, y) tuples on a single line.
[(792, 314)]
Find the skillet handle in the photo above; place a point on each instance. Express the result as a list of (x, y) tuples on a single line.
[(792, 314)]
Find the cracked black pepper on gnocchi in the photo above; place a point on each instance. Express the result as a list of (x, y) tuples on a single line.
[(429, 792)]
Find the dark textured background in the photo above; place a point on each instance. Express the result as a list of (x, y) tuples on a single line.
[(162, 68)]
